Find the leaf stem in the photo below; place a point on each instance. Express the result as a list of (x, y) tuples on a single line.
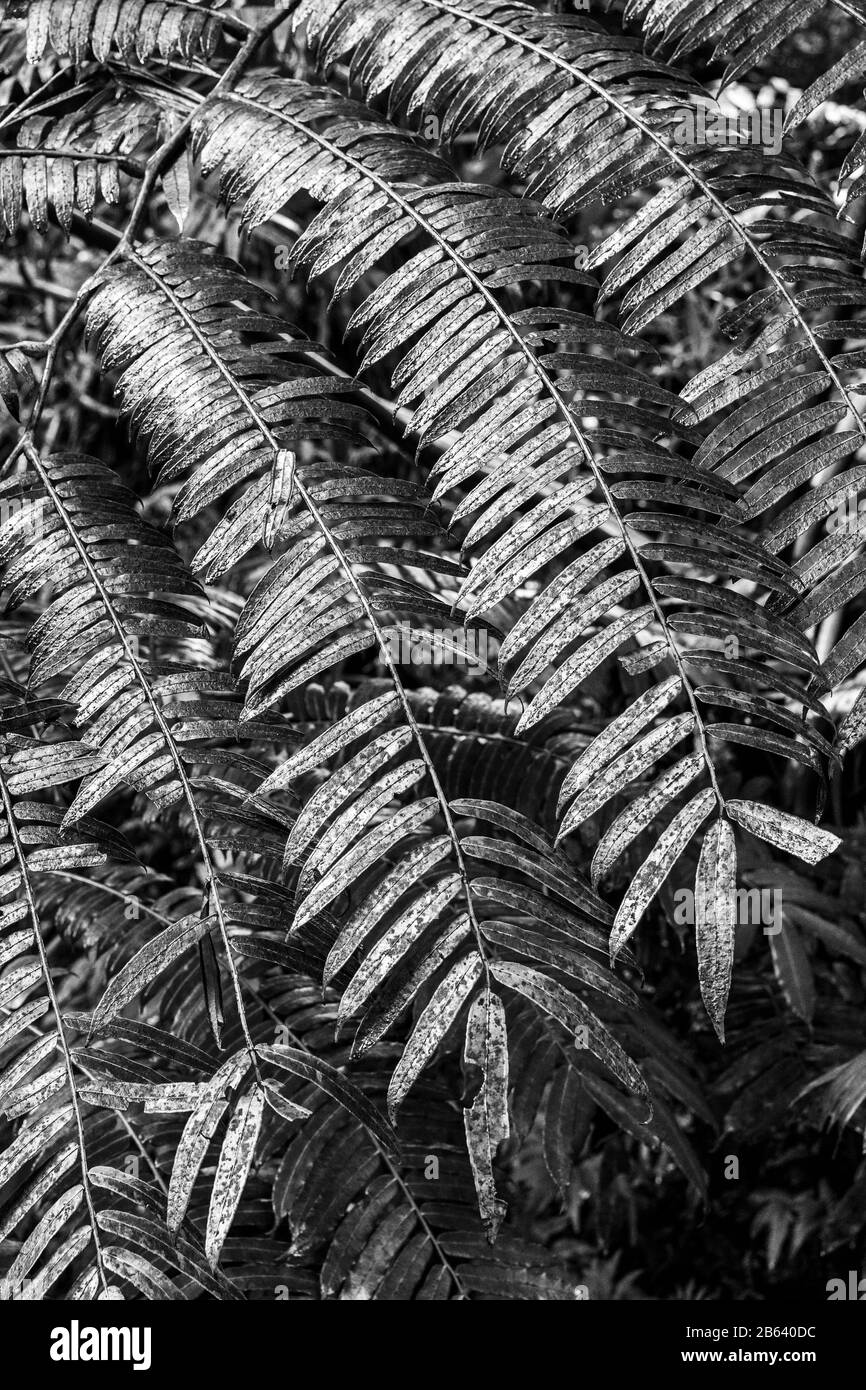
[(27, 887)]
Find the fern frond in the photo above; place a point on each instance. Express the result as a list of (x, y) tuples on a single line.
[(107, 565), (302, 618), (70, 162), (123, 28), (706, 202), (616, 126), (446, 293), (46, 1095), (386, 1231), (542, 85), (609, 137), (745, 34), (368, 1010), (223, 1129)]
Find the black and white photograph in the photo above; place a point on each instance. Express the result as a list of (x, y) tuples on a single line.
[(432, 670)]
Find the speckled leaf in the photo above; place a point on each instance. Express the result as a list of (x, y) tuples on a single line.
[(631, 822), (557, 595), (235, 1161), (196, 1137), (616, 776), (145, 1233), (575, 669), (716, 919), (570, 625), (789, 833), (141, 1273), (532, 558), (43, 1234), (336, 843), (445, 1004), (572, 1013), (357, 724), (656, 867), (852, 730), (168, 1098), (369, 850), (148, 963), (393, 944), (513, 822), (527, 531), (486, 1119), (286, 1109), (617, 735), (550, 871), (35, 1288), (411, 869), (401, 990), (342, 785), (31, 1139)]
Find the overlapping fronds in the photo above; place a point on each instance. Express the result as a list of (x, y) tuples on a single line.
[(70, 162), (147, 723), (471, 738), (447, 297), (542, 85), (718, 201), (107, 565), (119, 28), (47, 1141), (323, 599), (395, 1233), (745, 34), (585, 117)]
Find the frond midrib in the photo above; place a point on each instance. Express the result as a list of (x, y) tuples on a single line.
[(406, 206), (633, 118), (336, 549), (60, 1029), (165, 731)]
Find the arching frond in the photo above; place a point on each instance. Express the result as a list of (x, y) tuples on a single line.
[(617, 126), (302, 617), (745, 34), (448, 303), (120, 28), (42, 1093), (70, 162), (119, 582), (719, 200)]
